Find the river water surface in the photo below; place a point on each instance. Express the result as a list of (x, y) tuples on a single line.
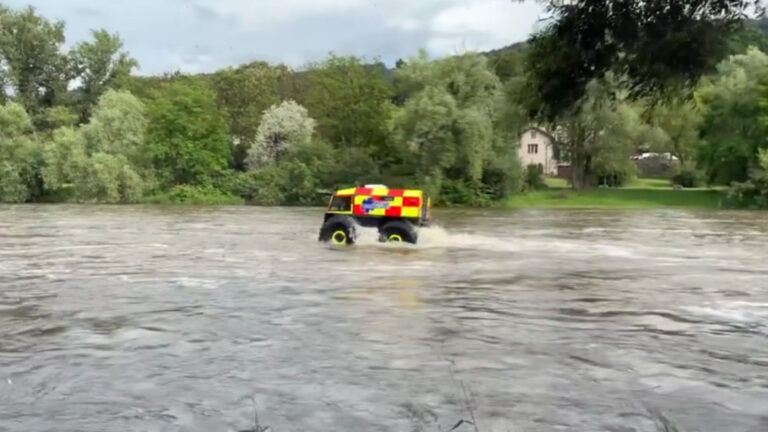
[(192, 319)]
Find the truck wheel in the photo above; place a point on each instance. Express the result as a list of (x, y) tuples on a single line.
[(398, 232), (339, 230)]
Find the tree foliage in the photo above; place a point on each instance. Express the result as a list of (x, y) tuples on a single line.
[(659, 45), (447, 122), (19, 155), (731, 129), (99, 64), (351, 103), (598, 136), (187, 136), (36, 70), (283, 127), (75, 125), (244, 94)]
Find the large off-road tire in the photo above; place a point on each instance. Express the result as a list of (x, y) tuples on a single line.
[(338, 230), (398, 231)]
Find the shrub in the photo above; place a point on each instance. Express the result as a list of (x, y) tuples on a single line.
[(463, 192), (13, 189), (105, 178), (503, 178), (749, 194), (754, 192), (534, 177), (688, 177), (290, 183)]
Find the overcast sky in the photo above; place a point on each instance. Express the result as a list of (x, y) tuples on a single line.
[(205, 35)]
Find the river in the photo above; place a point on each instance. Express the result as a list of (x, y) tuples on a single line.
[(193, 319)]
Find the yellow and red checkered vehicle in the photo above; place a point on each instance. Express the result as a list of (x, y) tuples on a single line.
[(396, 213)]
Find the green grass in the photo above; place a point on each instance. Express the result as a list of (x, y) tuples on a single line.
[(555, 182), (649, 184), (639, 194)]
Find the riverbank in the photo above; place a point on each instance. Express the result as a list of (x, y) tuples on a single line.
[(640, 194)]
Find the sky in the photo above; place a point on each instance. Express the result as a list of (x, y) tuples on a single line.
[(206, 35)]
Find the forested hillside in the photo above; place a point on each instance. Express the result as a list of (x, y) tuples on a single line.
[(77, 126)]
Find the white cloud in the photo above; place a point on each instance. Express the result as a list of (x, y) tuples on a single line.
[(483, 25), (204, 35)]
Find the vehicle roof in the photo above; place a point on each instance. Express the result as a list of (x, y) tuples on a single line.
[(378, 191)]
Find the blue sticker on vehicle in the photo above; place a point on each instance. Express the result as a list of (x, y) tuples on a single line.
[(370, 204)]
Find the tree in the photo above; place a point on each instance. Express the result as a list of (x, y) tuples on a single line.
[(64, 159), (19, 155), (447, 123), (351, 103), (283, 127), (32, 60), (99, 65), (187, 135), (244, 94), (677, 124), (731, 130), (658, 45), (118, 127), (598, 135), (105, 178)]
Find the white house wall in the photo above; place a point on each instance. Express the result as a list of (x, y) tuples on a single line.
[(536, 148)]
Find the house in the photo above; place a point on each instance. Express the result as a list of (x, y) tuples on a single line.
[(537, 147)]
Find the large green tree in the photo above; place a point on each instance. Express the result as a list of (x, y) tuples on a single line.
[(657, 44), (118, 127), (351, 103), (33, 65), (599, 134), (99, 65), (447, 123), (187, 135), (677, 123), (20, 155), (244, 94), (731, 129)]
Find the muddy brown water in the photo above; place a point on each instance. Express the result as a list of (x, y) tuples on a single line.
[(185, 319)]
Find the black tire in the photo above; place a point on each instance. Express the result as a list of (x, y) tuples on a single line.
[(398, 231), (339, 230)]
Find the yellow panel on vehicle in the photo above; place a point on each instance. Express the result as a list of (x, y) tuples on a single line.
[(380, 192), (412, 193), (350, 191), (410, 212)]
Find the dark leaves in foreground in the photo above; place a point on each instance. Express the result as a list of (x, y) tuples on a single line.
[(659, 45)]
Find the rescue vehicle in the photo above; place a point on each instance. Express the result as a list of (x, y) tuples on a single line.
[(397, 214)]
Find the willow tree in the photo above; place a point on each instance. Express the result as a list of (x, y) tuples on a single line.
[(447, 120), (19, 155), (598, 135)]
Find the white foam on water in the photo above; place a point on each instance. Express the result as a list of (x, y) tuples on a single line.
[(188, 282), (735, 311)]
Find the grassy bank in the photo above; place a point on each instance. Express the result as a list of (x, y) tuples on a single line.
[(640, 194)]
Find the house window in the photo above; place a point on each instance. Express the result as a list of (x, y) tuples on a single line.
[(534, 134), (533, 148)]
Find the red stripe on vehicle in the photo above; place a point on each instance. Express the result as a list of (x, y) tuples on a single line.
[(411, 202), (364, 191), (359, 210), (396, 192), (394, 212)]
